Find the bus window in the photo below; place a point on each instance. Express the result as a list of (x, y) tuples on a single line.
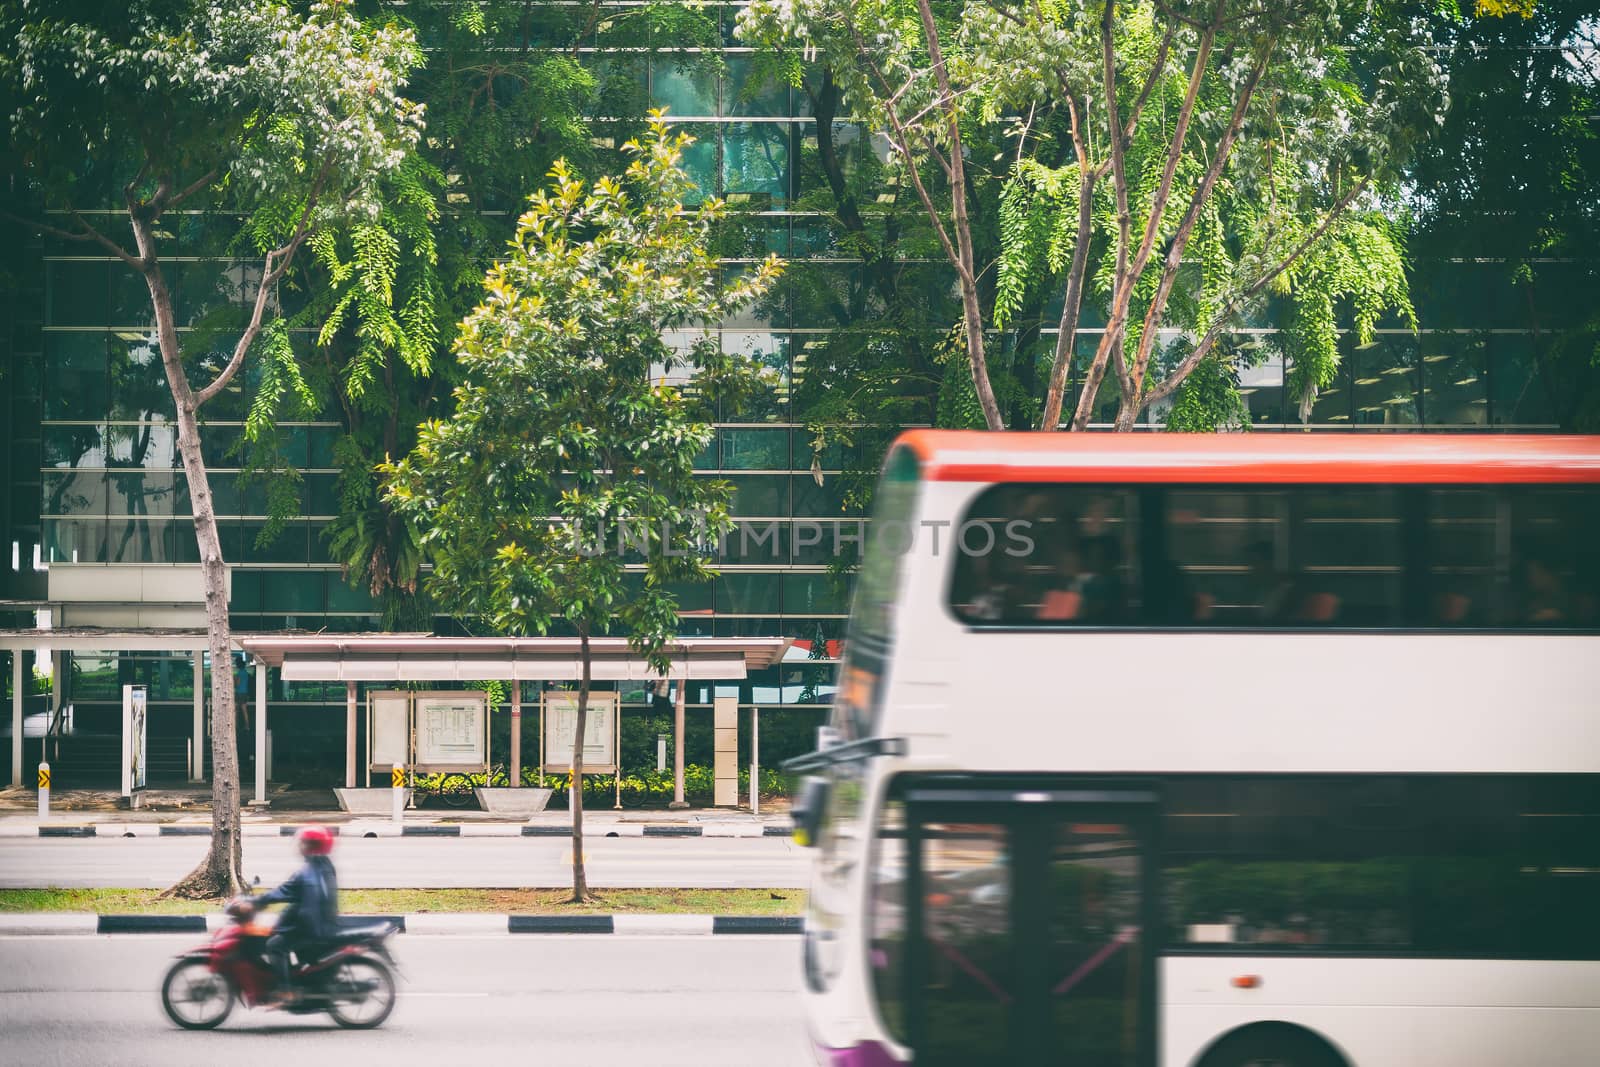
[(1463, 580), (1229, 552), (1554, 568), (1053, 555), (1347, 551), (1496, 866)]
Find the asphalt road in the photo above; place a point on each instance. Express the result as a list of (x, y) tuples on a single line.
[(701, 1001), (419, 862)]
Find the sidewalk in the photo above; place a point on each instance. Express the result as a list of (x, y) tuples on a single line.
[(469, 924), (274, 822)]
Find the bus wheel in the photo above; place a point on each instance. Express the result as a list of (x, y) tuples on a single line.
[(1272, 1045)]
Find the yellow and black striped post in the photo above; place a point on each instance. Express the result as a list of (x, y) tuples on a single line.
[(44, 790), (397, 783)]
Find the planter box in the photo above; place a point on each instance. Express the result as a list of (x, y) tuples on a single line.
[(368, 801), (504, 800)]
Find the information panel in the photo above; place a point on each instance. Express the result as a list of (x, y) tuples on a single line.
[(599, 732), (388, 729), (135, 739), (452, 731)]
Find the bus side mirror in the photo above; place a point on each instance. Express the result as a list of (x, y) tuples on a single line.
[(808, 808)]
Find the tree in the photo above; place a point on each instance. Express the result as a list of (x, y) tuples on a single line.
[(562, 490), (285, 119), (506, 95), (1173, 164)]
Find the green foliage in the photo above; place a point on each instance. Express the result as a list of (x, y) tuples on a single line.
[(1209, 399), (562, 445)]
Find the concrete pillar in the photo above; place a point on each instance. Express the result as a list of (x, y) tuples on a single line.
[(16, 718), (349, 735), (725, 752), (755, 761), (197, 771), (516, 734), (261, 733), (677, 748)]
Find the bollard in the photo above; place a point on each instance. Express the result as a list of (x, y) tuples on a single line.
[(397, 780), (44, 791)]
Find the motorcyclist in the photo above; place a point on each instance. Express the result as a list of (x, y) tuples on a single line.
[(312, 915)]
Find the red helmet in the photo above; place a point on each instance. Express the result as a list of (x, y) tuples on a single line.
[(315, 840)]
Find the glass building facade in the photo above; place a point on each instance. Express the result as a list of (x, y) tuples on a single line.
[(93, 476)]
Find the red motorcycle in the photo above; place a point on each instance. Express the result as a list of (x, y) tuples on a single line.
[(352, 979)]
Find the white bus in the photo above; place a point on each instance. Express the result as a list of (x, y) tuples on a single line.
[(1213, 751)]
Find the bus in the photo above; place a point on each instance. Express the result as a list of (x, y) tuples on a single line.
[(1206, 751)]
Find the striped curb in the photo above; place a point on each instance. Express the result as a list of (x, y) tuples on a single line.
[(389, 829), (424, 924)]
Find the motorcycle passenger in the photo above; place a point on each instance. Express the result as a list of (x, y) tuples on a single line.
[(312, 915)]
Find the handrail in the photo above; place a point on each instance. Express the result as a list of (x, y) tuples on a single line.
[(847, 753)]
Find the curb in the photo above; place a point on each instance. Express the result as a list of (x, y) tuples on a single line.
[(388, 829), (425, 924)]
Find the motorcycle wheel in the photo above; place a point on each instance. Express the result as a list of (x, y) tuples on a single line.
[(361, 993), (196, 997)]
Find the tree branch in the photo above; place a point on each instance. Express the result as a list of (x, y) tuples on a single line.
[(88, 233), (1197, 201), (277, 262), (1232, 308)]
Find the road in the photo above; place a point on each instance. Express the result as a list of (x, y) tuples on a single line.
[(418, 862), (701, 1001)]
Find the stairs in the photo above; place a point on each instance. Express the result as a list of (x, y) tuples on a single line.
[(94, 761)]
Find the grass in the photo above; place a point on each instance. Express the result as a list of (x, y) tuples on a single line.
[(408, 901)]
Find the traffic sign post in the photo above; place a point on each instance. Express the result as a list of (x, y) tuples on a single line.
[(397, 782), (44, 791)]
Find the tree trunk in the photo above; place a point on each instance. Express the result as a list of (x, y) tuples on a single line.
[(220, 873), (580, 881)]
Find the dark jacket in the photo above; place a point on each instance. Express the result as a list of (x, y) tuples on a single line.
[(312, 894)]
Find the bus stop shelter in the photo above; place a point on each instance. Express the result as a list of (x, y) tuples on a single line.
[(88, 639), (400, 659), (403, 658)]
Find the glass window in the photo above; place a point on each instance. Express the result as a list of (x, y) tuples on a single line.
[(770, 402), (69, 492), (752, 87), (1226, 551), (683, 84), (763, 450), (74, 375), (1262, 388), (886, 918), (1519, 395), (1455, 865), (1346, 557), (755, 165), (756, 543), (74, 540), (73, 446), (1053, 555), (968, 951), (1463, 579), (139, 389), (1554, 569), (147, 493), (1386, 381), (298, 591), (148, 445), (813, 594), (760, 495), (740, 593), (1455, 378), (76, 291)]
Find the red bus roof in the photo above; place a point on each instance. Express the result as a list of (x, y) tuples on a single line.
[(1398, 458)]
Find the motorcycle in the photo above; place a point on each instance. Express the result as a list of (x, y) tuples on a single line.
[(352, 977)]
